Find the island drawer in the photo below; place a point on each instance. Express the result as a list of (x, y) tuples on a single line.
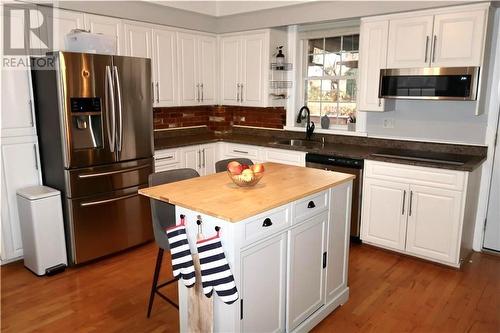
[(309, 206), (266, 224)]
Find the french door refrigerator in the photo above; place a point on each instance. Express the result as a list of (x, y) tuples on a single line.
[(95, 127)]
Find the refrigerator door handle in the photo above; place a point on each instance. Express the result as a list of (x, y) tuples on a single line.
[(109, 92), (101, 202), (109, 173), (120, 114)]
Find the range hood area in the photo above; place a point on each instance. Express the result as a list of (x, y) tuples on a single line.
[(430, 83)]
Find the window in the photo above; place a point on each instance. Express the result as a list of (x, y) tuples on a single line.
[(330, 75)]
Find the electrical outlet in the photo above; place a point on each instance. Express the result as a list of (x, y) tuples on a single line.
[(389, 123)]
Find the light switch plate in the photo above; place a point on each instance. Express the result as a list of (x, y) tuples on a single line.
[(389, 123)]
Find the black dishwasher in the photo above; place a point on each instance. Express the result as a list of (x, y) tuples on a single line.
[(351, 166)]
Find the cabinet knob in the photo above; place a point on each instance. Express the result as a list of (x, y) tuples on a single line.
[(267, 222), (311, 204)]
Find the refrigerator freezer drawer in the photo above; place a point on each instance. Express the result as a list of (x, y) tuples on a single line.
[(107, 178), (105, 224)]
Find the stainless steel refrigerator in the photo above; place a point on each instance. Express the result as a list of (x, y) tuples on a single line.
[(95, 127)]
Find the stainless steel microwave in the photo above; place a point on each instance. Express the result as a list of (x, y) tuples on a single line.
[(435, 83)]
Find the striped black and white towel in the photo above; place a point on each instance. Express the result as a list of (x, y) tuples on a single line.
[(182, 261), (215, 271)]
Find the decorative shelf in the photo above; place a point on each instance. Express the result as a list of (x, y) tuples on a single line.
[(281, 67), (280, 84)]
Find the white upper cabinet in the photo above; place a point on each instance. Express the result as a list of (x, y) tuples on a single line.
[(253, 68), (138, 40), (458, 39), (17, 112), (197, 68), (107, 26), (372, 58), (409, 42), (63, 22), (230, 50), (450, 37), (164, 67)]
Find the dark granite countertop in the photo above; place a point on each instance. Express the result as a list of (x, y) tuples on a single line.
[(463, 157)]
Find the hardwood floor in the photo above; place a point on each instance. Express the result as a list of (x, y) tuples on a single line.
[(389, 293)]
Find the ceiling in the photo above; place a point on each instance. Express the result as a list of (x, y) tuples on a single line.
[(219, 8)]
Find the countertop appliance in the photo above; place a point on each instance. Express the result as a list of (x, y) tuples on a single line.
[(346, 165), (438, 83), (94, 121)]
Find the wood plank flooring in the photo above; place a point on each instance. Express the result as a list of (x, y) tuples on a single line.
[(389, 293)]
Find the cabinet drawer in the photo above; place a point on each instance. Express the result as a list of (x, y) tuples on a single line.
[(233, 150), (159, 167), (309, 206), (266, 224), (442, 178), (285, 157), (167, 156)]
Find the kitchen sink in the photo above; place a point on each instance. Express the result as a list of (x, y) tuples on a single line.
[(298, 143)]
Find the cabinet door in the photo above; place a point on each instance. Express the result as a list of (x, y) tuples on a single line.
[(384, 211), (372, 57), (191, 157), (263, 285), (458, 39), (208, 155), (164, 67), (20, 168), (107, 26), (305, 271), (230, 67), (252, 70), (137, 40), (207, 69), (17, 113), (409, 42), (63, 22), (189, 87), (434, 223)]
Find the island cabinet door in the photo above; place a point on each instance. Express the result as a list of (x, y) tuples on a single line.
[(263, 285), (306, 270)]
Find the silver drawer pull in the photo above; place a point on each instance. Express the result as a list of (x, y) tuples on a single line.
[(240, 151), (267, 222), (164, 158)]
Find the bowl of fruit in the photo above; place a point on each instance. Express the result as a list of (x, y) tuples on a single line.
[(244, 175)]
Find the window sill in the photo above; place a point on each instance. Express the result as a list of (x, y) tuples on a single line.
[(327, 131)]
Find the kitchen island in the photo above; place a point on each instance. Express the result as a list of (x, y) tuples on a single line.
[(285, 239)]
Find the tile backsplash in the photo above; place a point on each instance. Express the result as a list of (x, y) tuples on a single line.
[(219, 118)]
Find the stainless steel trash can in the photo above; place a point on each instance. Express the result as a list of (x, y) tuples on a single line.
[(42, 229)]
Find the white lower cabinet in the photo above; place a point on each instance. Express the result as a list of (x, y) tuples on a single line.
[(267, 258), (425, 212), (201, 158), (262, 154), (307, 263), (20, 168), (167, 159)]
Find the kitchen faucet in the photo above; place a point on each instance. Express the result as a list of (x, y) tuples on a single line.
[(309, 125)]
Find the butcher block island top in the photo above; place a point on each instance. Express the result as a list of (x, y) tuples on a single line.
[(218, 196)]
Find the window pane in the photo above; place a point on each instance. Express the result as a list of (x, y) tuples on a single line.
[(315, 46), (332, 64), (347, 109), (315, 66), (329, 108), (316, 59), (314, 108), (314, 90), (350, 43), (350, 64), (347, 90), (333, 44)]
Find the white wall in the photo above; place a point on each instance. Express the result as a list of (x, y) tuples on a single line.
[(446, 121)]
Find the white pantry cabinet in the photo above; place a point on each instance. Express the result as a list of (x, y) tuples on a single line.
[(447, 37), (421, 211), (372, 58), (109, 26), (19, 168), (197, 68)]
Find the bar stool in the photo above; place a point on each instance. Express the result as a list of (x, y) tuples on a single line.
[(221, 165), (163, 216)]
